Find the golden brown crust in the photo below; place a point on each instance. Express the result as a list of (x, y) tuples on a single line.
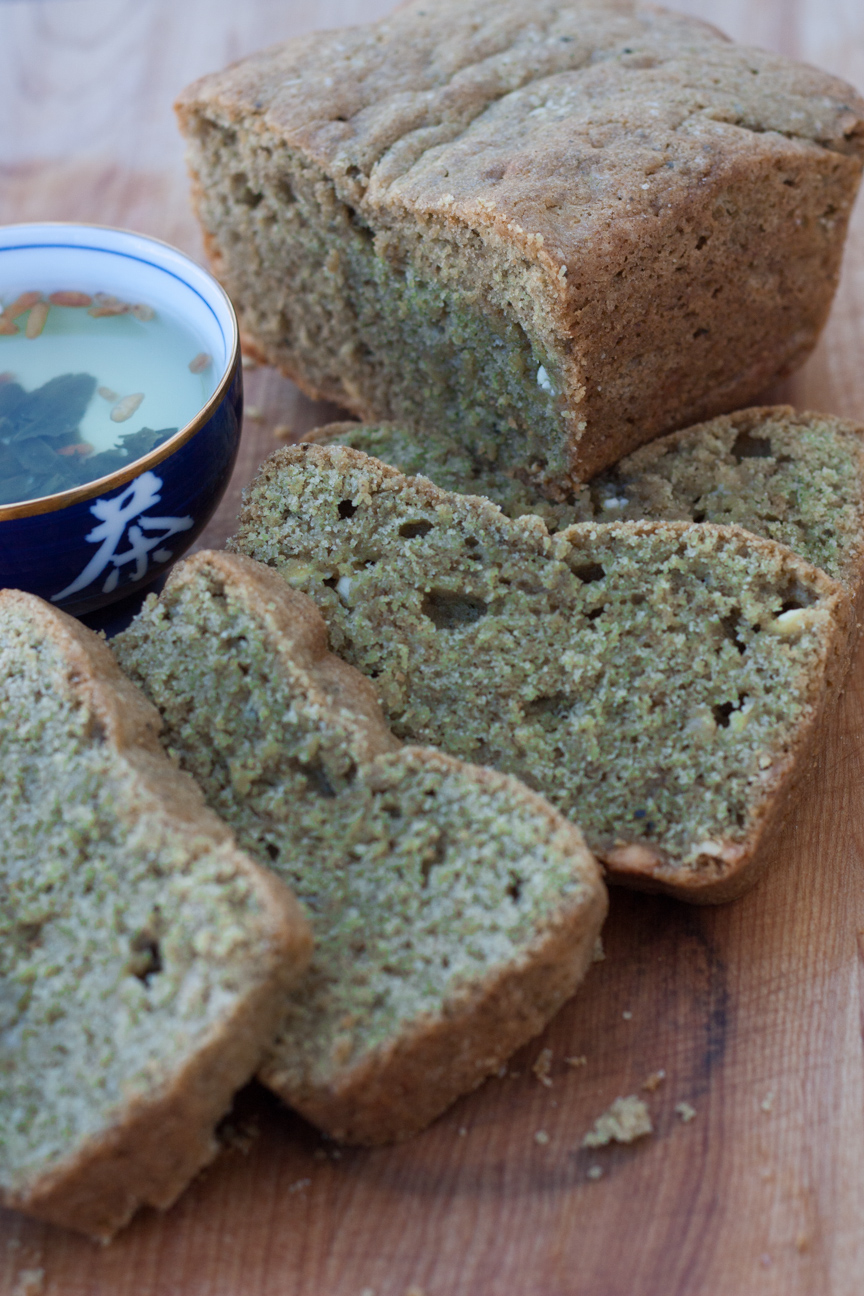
[(150, 1155)]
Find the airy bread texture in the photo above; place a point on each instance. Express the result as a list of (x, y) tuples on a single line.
[(453, 909), (548, 232), (795, 477), (143, 958), (657, 681)]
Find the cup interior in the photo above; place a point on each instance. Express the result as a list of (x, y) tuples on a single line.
[(92, 259)]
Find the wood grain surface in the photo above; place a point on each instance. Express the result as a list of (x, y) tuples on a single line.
[(754, 1010)]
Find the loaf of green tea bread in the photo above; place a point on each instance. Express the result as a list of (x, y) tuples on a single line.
[(792, 476), (659, 682), (143, 958), (453, 909), (548, 232)]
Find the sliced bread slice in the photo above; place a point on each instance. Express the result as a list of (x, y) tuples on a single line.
[(792, 476), (143, 957), (657, 681), (453, 909)]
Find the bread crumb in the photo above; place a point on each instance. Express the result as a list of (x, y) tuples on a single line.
[(462, 1131), (253, 411), (627, 1014), (685, 1111), (599, 953), (595, 1172), (283, 432), (767, 1103), (541, 1137), (543, 1066), (802, 1242), (299, 1185), (654, 1080), (248, 362), (29, 1282), (625, 1121), (581, 1060)]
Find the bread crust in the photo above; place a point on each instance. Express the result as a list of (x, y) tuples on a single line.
[(149, 1155)]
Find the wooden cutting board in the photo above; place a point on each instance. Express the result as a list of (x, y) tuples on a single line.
[(753, 1010)]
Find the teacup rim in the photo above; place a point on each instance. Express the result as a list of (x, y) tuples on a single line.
[(120, 477)]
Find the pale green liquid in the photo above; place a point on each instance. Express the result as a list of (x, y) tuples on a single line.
[(125, 355)]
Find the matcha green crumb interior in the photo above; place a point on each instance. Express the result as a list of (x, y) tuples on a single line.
[(649, 679), (796, 478), (124, 940), (419, 878), (391, 326)]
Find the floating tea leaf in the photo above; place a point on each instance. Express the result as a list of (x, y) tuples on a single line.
[(55, 409)]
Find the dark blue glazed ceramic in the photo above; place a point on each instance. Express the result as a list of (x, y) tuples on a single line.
[(88, 547)]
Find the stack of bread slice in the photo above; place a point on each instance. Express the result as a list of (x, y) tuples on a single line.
[(661, 682), (144, 958), (453, 909)]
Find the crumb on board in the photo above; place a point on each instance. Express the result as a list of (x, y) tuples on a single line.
[(543, 1066), (625, 1121), (767, 1103), (653, 1081), (580, 1060), (627, 1014), (29, 1282), (283, 432), (541, 1137), (594, 1172), (685, 1111), (253, 411), (299, 1185), (599, 953)]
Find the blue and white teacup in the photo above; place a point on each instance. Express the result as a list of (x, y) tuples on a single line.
[(90, 546)]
